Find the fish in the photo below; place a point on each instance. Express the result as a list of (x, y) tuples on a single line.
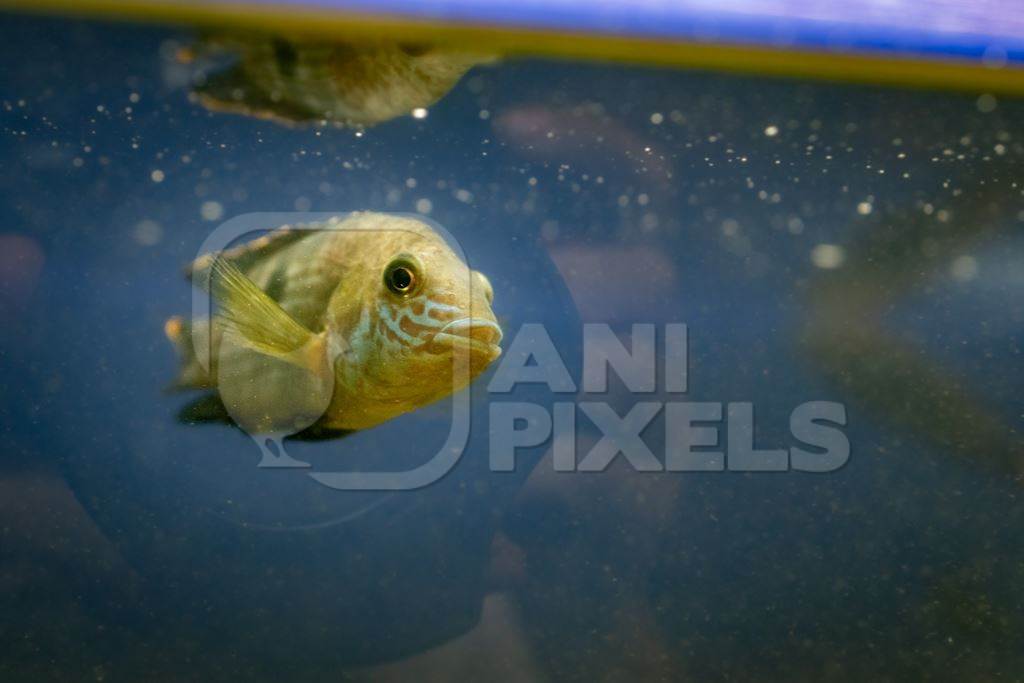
[(340, 325), (296, 81)]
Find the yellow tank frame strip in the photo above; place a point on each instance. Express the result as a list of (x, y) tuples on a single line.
[(860, 67)]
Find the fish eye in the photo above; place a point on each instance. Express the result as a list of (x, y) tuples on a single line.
[(401, 277)]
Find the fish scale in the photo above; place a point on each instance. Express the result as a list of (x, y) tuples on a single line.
[(310, 275)]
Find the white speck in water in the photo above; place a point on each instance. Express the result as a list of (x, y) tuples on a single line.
[(1000, 149), (642, 199), (424, 205), (134, 98), (964, 268), (419, 113), (987, 103), (865, 208), (211, 210), (828, 256), (771, 131), (157, 176), (148, 232), (795, 225), (657, 118), (410, 183), (730, 227), (484, 114), (464, 196)]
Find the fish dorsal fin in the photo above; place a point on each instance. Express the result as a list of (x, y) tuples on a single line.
[(244, 256)]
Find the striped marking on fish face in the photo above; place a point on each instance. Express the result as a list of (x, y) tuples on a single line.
[(411, 323), (361, 339), (438, 329)]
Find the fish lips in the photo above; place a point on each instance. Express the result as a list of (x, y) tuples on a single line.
[(479, 336)]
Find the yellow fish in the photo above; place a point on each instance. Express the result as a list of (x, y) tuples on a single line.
[(308, 80), (343, 324)]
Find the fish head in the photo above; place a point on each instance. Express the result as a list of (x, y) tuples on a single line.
[(427, 325)]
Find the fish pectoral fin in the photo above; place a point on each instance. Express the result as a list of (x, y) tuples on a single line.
[(260, 322)]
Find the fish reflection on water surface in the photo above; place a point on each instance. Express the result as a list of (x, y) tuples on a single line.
[(297, 81), (342, 325)]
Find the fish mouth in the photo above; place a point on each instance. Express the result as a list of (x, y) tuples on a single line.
[(477, 335)]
